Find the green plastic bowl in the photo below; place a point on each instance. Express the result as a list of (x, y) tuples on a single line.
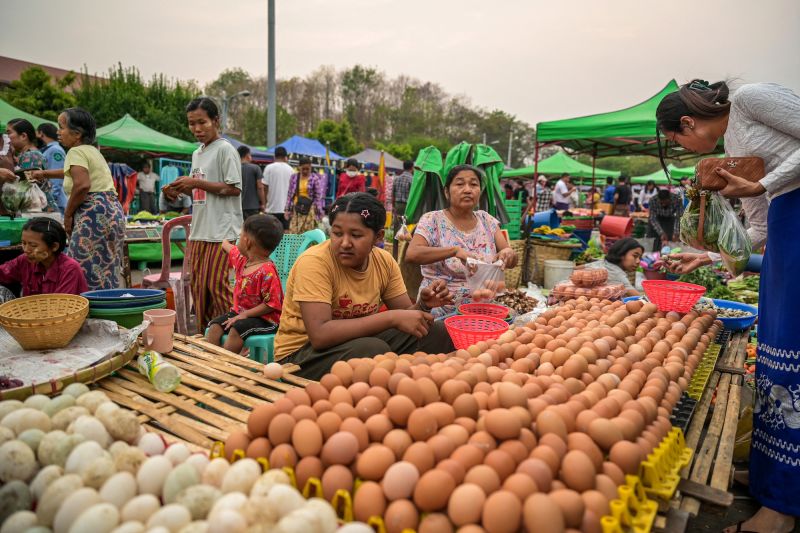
[(127, 318)]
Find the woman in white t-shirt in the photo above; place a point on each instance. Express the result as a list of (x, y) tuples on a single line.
[(215, 186)]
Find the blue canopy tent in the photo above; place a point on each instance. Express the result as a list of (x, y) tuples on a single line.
[(259, 156), (303, 146)]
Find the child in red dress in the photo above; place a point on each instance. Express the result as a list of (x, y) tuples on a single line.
[(257, 293)]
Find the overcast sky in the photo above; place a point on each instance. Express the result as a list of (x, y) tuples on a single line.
[(539, 60)]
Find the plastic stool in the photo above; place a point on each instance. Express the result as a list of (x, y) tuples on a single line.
[(260, 346)]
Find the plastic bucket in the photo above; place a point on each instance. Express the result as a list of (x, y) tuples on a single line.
[(612, 226), (158, 335), (545, 218), (556, 271)]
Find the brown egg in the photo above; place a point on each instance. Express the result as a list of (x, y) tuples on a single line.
[(374, 461), (516, 449), (510, 395), (398, 441), (421, 424), (340, 395), (614, 472), (578, 471), (605, 485), (329, 424), (433, 490), (626, 427), (358, 429), (501, 462), (502, 512), (282, 455), (435, 523), (368, 501), (604, 433), (307, 468), (484, 441), (368, 406), (455, 432), (307, 438), (341, 448), (316, 392), (401, 515), (466, 405), (280, 428), (539, 471), (550, 421), (485, 477), (259, 419), (410, 389), (542, 515), (345, 411), (556, 443), (521, 485), (399, 408), (454, 468), (466, 504), (596, 502), (420, 455), (627, 456), (237, 440), (259, 448), (583, 443), (571, 505), (378, 426), (585, 418), (503, 424), (400, 480)]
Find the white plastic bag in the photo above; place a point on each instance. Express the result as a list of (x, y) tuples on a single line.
[(485, 280), (35, 200)]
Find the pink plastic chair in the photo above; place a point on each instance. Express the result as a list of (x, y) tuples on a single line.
[(179, 282)]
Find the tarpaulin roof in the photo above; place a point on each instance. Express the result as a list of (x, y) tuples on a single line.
[(427, 186), (9, 112), (371, 156), (559, 164), (303, 146), (660, 178), (627, 131), (128, 133), (259, 156)]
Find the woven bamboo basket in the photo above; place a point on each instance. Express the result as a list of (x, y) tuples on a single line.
[(45, 321), (514, 275), (539, 252), (87, 375)]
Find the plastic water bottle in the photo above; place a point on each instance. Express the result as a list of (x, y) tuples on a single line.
[(164, 376)]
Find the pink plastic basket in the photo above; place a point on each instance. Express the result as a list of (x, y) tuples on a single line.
[(493, 310), (673, 295), (466, 330)]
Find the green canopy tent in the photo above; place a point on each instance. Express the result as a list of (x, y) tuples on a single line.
[(661, 179), (9, 112), (558, 164), (427, 186), (128, 133)]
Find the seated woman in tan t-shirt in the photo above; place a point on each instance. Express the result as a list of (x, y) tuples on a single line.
[(335, 289)]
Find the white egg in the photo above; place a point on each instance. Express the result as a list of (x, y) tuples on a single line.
[(140, 508), (72, 507), (119, 489), (151, 444), (172, 517), (100, 518), (177, 453)]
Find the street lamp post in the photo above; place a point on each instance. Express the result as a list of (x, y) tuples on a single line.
[(225, 101)]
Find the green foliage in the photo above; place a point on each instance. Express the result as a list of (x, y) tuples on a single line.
[(254, 125), (37, 93), (402, 151), (339, 135), (158, 104)]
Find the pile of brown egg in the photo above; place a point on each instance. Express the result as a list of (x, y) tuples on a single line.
[(532, 431)]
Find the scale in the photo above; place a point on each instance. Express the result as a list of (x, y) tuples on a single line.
[(143, 233)]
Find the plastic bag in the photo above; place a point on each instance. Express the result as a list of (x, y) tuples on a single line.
[(35, 199), (403, 234), (485, 280), (722, 231), (23, 195)]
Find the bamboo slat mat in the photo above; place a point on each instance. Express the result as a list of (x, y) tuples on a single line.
[(218, 391)]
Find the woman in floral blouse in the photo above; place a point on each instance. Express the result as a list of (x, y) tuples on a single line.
[(305, 203), (22, 137)]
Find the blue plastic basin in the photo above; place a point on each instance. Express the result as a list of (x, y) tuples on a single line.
[(737, 324), (120, 294)]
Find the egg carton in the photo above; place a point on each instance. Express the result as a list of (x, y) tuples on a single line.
[(632, 512), (660, 472), (683, 411), (703, 371)]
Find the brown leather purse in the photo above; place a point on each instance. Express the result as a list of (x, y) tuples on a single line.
[(749, 168)]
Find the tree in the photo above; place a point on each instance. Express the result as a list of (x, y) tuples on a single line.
[(400, 151), (36, 92), (338, 135), (158, 104), (254, 125), (228, 83)]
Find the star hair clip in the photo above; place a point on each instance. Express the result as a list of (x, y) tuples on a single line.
[(365, 213)]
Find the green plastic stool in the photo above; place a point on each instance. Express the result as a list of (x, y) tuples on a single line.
[(261, 347)]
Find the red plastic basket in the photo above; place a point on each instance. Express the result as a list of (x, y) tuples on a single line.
[(673, 295), (493, 310), (466, 330)]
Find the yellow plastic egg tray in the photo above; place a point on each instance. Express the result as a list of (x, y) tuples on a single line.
[(703, 371), (658, 477)]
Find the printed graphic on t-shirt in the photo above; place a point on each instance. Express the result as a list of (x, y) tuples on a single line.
[(198, 195), (347, 309)]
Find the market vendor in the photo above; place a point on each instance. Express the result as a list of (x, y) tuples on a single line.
[(43, 268), (665, 216), (335, 289), (761, 120), (623, 257), (22, 137), (445, 239)]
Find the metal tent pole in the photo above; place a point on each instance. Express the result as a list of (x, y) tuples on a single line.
[(272, 111)]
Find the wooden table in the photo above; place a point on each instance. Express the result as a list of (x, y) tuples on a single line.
[(218, 391)]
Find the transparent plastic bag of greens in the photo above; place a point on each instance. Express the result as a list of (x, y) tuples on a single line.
[(714, 216), (485, 280), (15, 195), (734, 243)]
